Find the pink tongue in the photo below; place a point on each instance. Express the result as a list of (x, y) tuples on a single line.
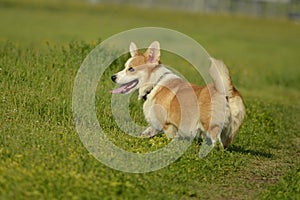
[(118, 90)]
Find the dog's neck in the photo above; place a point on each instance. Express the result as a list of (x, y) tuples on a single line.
[(145, 90)]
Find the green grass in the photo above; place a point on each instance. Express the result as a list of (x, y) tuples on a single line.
[(42, 157)]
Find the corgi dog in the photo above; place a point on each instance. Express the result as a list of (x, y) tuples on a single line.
[(177, 107)]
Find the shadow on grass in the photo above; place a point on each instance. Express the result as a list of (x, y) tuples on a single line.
[(242, 150)]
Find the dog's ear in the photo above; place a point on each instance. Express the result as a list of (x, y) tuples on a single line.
[(153, 53), (134, 51)]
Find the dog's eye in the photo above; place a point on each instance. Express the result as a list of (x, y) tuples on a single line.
[(131, 69)]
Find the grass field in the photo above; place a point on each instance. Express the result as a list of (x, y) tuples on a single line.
[(42, 45)]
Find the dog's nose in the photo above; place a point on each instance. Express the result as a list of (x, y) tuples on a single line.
[(113, 78)]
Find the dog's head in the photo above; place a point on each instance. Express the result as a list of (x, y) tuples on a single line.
[(137, 68)]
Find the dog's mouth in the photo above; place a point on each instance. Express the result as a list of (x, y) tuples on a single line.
[(125, 88)]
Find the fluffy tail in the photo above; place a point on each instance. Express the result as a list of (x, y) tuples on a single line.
[(221, 78)]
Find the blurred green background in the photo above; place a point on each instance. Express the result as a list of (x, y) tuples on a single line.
[(251, 45), (43, 43)]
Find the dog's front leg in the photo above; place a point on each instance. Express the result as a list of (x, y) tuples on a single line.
[(149, 132)]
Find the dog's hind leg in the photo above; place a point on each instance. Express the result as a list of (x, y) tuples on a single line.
[(205, 147), (215, 134), (212, 137), (170, 130)]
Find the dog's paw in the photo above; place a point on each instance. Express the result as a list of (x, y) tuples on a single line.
[(149, 132)]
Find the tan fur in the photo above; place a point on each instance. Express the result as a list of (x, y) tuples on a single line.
[(204, 105), (168, 100), (138, 61)]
